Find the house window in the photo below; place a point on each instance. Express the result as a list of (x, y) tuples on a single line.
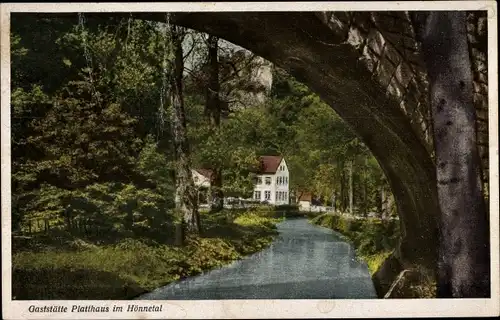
[(277, 196), (286, 180), (195, 179), (278, 181), (256, 195), (280, 197), (259, 180), (268, 180), (267, 195)]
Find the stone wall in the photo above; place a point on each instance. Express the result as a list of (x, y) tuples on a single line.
[(386, 45), (478, 44)]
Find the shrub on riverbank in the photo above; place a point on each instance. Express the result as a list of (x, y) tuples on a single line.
[(280, 211), (373, 239), (134, 266)]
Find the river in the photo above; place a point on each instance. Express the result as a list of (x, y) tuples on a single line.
[(304, 262)]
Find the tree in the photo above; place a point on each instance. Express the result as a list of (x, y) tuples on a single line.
[(79, 137), (185, 196), (213, 113), (463, 269), (351, 186)]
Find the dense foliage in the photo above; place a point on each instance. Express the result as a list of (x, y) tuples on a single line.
[(82, 139), (91, 139)]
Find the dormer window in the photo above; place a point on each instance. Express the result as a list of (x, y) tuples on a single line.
[(268, 180), (259, 180)]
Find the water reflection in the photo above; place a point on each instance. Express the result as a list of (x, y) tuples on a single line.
[(305, 262)]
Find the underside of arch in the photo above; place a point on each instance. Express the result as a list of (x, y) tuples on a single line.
[(301, 44)]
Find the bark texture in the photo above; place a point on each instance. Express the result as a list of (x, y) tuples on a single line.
[(213, 113), (463, 269), (351, 187), (477, 22), (186, 196)]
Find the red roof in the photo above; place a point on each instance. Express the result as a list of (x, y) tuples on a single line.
[(305, 196), (269, 164), (205, 172)]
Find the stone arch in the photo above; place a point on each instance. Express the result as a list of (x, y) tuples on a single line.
[(372, 85)]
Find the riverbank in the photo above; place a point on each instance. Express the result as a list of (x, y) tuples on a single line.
[(78, 268), (304, 262), (375, 240)]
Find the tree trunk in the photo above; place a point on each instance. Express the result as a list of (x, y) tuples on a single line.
[(129, 219), (342, 191), (212, 107), (217, 195), (351, 191), (185, 193), (298, 196), (365, 189), (68, 215), (463, 267), (334, 198), (213, 112), (383, 203)]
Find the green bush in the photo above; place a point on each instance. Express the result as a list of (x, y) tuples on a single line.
[(373, 239), (289, 210)]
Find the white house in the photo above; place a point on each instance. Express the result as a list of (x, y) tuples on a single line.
[(273, 180), (271, 185)]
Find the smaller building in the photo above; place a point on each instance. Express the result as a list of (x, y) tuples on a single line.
[(305, 200), (202, 180), (202, 177)]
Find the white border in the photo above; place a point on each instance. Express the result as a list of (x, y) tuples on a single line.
[(207, 309)]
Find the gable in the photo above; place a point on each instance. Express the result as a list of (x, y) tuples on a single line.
[(269, 164), (282, 167), (207, 173)]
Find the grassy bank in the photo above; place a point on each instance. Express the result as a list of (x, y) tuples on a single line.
[(373, 239), (79, 268)]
